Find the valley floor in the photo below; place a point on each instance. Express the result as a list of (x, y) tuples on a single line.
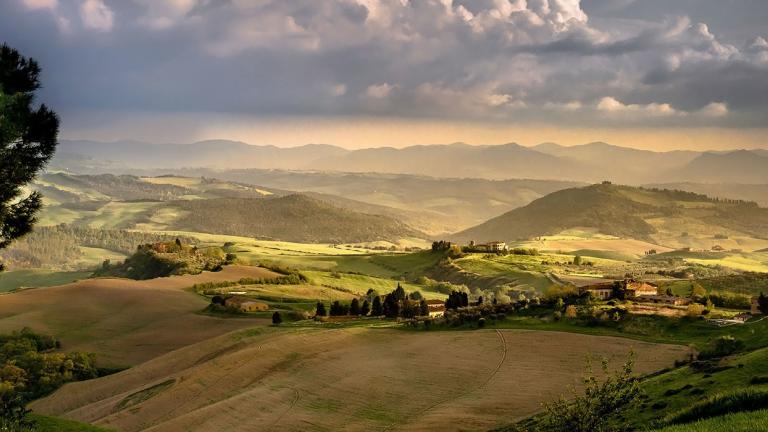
[(300, 379)]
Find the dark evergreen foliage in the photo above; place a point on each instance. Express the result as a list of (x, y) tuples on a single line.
[(28, 137)]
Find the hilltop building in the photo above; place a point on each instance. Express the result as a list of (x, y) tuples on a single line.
[(493, 246)]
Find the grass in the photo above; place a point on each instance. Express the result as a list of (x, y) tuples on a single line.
[(360, 284), (744, 421), (721, 404), (55, 424), (17, 279), (680, 388)]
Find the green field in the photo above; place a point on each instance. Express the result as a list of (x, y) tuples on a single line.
[(13, 280), (744, 421)]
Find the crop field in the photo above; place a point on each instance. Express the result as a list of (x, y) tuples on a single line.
[(16, 279), (569, 241), (360, 284), (124, 322), (310, 379)]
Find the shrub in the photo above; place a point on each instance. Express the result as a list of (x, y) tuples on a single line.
[(756, 380), (721, 404), (601, 408), (721, 347), (276, 318)]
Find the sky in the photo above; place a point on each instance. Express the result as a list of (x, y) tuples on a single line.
[(656, 74)]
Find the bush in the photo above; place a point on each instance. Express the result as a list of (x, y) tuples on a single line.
[(721, 347), (756, 380), (721, 404)]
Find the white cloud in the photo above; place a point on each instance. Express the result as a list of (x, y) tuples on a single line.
[(613, 106), (96, 15), (163, 14), (40, 4), (379, 91), (714, 109)]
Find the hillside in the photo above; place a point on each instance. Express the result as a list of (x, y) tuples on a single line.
[(345, 379), (741, 166), (210, 205), (431, 204), (665, 217), (295, 218)]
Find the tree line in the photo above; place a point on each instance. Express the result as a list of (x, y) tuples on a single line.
[(396, 304), (59, 245)]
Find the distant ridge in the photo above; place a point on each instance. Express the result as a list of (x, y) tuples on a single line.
[(590, 162)]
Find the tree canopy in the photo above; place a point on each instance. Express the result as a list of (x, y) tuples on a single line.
[(27, 142)]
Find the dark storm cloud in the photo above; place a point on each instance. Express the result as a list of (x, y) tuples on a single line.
[(594, 62)]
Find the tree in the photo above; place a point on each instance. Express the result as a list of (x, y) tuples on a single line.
[(399, 293), (416, 295), (391, 306), (28, 138), (366, 308), (276, 318), (423, 308), (354, 307), (762, 303), (602, 406), (320, 311), (377, 309)]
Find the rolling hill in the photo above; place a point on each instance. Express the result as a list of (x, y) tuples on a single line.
[(664, 217), (273, 379), (741, 166), (296, 218), (209, 205)]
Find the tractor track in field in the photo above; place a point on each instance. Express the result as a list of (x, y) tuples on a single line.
[(469, 392)]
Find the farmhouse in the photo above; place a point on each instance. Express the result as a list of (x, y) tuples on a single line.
[(663, 299), (640, 289), (436, 308), (245, 304), (494, 246), (602, 291)]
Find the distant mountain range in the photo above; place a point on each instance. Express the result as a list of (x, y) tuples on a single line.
[(589, 162)]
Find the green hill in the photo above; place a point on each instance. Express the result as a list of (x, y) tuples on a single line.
[(671, 217), (295, 218)]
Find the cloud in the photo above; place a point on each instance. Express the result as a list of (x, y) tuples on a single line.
[(95, 15), (545, 61), (714, 109), (611, 106), (40, 4), (379, 91)]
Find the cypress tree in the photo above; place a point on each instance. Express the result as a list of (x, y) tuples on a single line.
[(423, 308), (354, 307), (366, 308), (377, 309), (320, 311)]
